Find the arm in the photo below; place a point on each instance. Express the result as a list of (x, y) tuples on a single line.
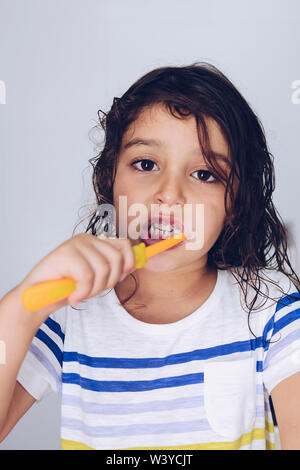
[(20, 403), (17, 329), (286, 401), (95, 264)]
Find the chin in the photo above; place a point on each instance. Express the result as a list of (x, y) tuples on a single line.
[(159, 266)]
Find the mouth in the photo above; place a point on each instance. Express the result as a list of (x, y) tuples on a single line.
[(161, 228)]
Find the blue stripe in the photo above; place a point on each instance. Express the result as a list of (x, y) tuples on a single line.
[(129, 408), (55, 327), (143, 363), (137, 429), (133, 385), (284, 302), (43, 359), (286, 320), (42, 336), (125, 408), (288, 341), (287, 300)]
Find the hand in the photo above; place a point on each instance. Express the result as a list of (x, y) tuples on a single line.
[(95, 263)]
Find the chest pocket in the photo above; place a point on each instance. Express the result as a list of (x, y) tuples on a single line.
[(230, 396)]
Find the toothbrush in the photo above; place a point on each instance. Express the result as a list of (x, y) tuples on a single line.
[(47, 292)]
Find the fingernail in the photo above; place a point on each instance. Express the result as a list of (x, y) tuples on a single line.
[(122, 277)]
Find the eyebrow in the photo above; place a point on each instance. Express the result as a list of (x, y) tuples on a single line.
[(159, 143)]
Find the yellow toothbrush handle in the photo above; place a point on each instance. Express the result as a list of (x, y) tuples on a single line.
[(46, 293), (140, 255)]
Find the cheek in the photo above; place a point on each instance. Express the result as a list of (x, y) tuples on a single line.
[(214, 221), (121, 182), (214, 215), (119, 190), (121, 197)]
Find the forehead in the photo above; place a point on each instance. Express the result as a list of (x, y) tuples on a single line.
[(157, 126)]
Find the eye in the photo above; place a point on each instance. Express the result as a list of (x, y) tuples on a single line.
[(207, 174), (146, 164)]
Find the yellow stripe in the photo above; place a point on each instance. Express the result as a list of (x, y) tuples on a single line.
[(73, 445), (269, 427), (245, 439), (270, 445)]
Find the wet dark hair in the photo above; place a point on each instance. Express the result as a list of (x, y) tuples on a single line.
[(254, 236)]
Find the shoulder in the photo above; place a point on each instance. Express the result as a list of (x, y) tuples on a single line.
[(280, 289), (282, 314), (281, 281), (261, 296), (281, 332), (269, 284)]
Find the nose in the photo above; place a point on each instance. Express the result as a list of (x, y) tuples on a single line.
[(169, 191)]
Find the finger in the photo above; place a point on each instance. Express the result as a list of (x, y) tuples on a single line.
[(99, 255), (83, 272), (125, 246)]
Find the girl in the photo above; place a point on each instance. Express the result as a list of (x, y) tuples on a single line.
[(185, 352)]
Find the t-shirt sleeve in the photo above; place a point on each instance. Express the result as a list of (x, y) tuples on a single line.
[(41, 370), (282, 335)]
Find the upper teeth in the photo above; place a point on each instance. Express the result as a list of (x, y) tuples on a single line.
[(156, 229)]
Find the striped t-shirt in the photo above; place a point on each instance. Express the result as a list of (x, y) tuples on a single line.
[(202, 382)]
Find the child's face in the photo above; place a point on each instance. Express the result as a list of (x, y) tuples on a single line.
[(172, 180)]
